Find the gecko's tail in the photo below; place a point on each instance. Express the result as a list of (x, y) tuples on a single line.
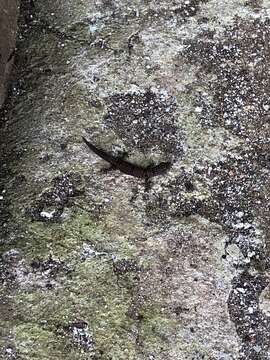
[(87, 142), (93, 147), (99, 152)]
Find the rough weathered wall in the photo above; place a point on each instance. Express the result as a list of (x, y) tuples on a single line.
[(8, 29), (94, 264)]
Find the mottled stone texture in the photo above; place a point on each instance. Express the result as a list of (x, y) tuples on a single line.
[(8, 30), (96, 265)]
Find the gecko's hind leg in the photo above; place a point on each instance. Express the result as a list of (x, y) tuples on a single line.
[(147, 184), (147, 187), (135, 193)]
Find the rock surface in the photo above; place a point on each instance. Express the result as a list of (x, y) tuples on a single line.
[(96, 266)]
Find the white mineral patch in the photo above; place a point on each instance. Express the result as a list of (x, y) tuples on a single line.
[(47, 215)]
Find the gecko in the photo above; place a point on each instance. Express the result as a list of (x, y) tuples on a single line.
[(127, 167)]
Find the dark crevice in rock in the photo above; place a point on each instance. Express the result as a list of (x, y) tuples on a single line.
[(252, 325)]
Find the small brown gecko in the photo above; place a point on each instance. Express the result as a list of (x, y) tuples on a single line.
[(129, 168)]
